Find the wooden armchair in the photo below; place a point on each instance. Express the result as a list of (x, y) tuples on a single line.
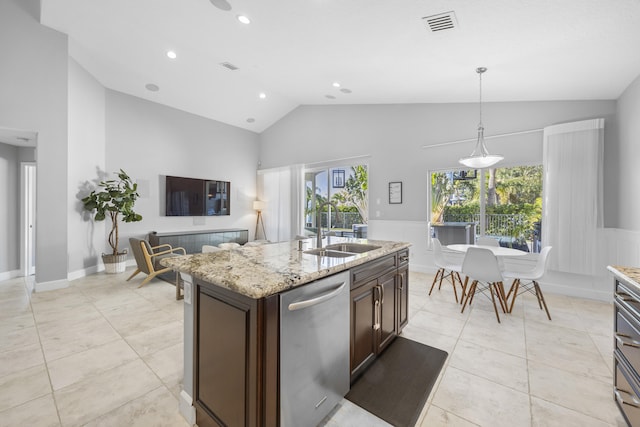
[(148, 260)]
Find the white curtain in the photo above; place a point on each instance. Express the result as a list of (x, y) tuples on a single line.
[(572, 194), (282, 190)]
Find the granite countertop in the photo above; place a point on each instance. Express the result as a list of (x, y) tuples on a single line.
[(264, 270), (631, 274)]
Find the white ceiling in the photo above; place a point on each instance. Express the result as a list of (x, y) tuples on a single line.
[(380, 50)]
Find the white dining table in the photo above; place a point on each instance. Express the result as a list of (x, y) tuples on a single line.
[(498, 251)]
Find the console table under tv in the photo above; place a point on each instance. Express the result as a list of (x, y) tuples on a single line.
[(192, 241)]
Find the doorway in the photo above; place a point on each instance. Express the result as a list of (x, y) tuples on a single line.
[(28, 218)]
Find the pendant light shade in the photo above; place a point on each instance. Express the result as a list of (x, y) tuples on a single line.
[(480, 157)]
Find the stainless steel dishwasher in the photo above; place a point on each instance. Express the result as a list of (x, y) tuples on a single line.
[(314, 350)]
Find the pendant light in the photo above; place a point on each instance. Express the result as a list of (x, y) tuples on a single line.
[(480, 157)]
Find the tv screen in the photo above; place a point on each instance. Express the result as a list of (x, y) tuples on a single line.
[(197, 197)]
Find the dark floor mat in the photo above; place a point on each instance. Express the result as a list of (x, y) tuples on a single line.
[(397, 384)]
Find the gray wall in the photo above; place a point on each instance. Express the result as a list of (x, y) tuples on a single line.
[(624, 161), (150, 141), (393, 136), (87, 152), (33, 96), (9, 208)]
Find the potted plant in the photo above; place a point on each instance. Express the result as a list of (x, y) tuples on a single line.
[(114, 197)]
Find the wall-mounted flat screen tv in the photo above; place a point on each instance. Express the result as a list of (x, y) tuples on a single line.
[(197, 197)]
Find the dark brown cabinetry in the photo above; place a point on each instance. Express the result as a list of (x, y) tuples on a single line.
[(627, 349), (236, 356), (379, 307), (402, 287)]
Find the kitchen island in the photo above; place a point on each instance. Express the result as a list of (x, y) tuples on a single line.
[(233, 341)]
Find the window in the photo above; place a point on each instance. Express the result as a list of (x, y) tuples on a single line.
[(346, 189), (504, 203)]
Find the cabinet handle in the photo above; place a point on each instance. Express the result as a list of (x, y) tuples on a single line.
[(376, 308), (627, 340), (376, 315), (634, 402), (404, 258), (314, 301), (381, 293), (401, 281), (625, 297)]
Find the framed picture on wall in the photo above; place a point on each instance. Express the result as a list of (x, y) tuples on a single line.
[(338, 178), (395, 192)]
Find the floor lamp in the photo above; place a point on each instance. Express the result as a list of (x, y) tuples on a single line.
[(259, 205)]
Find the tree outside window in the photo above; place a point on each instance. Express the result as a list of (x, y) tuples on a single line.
[(513, 202)]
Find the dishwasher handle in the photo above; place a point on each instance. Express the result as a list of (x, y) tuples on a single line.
[(317, 300)]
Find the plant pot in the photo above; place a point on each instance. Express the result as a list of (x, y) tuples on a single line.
[(115, 263)]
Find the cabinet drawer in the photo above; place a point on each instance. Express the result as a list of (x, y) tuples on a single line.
[(360, 275), (403, 257), (628, 298), (627, 335), (625, 395)]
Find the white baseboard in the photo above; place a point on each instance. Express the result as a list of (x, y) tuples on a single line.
[(6, 275), (79, 274), (50, 286), (187, 410)]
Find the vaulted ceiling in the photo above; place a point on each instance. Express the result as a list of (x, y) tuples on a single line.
[(293, 51)]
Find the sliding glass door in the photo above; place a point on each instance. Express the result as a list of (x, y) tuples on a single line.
[(336, 200)]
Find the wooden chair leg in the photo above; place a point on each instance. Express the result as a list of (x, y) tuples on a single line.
[(147, 280), (541, 298), (514, 289), (464, 287), (455, 274), (469, 296), (134, 273), (441, 277), (493, 298), (501, 296), (435, 279)]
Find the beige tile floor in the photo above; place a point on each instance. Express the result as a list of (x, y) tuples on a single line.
[(105, 353)]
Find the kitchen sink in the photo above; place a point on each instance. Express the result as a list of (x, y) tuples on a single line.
[(356, 248), (329, 253)]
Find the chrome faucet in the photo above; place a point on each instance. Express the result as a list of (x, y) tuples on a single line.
[(319, 223)]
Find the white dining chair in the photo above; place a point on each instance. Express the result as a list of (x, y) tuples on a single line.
[(487, 241), (527, 281), (490, 241), (481, 266), (446, 269)]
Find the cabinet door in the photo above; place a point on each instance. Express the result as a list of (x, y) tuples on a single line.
[(363, 336), (221, 370), (388, 307), (402, 286)]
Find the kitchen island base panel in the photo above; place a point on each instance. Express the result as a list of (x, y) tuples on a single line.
[(236, 326), (235, 358)]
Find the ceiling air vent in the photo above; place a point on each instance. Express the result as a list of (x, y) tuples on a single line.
[(229, 65), (441, 21)]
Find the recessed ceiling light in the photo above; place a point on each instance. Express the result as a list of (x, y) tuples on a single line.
[(221, 4), (330, 96), (171, 54), (262, 95), (251, 120), (151, 87), (243, 19), (345, 90), (336, 84)]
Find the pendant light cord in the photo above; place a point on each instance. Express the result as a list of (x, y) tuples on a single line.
[(480, 71)]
